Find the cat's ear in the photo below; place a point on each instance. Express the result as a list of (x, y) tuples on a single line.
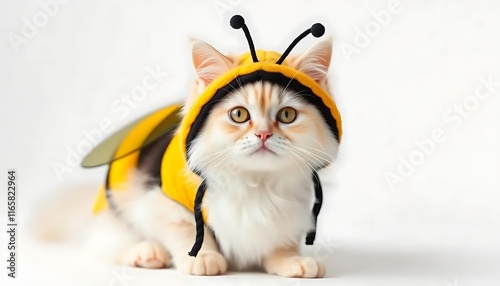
[(316, 61), (208, 62)]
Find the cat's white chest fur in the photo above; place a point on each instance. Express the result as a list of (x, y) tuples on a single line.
[(253, 214)]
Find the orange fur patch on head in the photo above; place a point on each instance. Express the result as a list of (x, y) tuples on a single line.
[(266, 97), (298, 128), (230, 128), (261, 93)]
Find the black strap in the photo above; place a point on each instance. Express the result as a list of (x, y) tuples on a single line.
[(318, 191), (198, 217)]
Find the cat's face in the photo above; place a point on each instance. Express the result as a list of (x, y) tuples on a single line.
[(264, 127)]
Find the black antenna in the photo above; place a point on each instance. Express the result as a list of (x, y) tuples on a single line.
[(317, 30), (237, 22)]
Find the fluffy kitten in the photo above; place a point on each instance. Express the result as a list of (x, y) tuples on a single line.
[(257, 150)]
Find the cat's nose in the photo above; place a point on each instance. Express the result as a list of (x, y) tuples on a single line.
[(263, 135)]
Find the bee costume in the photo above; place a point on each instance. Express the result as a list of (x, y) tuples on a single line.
[(155, 133)]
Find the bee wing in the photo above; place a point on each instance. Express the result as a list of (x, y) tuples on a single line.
[(134, 136)]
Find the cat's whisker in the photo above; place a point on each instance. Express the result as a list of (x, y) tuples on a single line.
[(326, 156), (214, 154), (291, 147), (206, 172), (316, 157), (296, 163), (311, 160), (227, 161), (241, 86), (286, 87), (277, 145), (316, 140), (234, 90), (328, 159), (317, 161), (217, 165), (203, 166), (311, 168), (239, 90), (211, 157), (298, 155)]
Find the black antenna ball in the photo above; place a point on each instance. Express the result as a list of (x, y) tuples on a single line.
[(237, 22), (317, 30)]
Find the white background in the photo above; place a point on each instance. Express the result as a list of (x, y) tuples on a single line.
[(439, 226)]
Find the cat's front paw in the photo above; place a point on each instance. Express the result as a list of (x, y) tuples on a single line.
[(146, 255), (206, 263), (300, 267)]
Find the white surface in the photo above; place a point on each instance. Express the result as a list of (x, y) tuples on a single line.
[(441, 226)]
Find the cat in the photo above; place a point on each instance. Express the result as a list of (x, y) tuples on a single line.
[(256, 150)]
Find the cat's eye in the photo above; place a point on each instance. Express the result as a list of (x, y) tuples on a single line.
[(286, 115), (239, 114)]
